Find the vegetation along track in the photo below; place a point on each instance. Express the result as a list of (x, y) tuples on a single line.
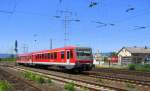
[(92, 86), (18, 81)]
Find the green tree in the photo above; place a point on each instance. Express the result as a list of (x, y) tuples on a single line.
[(113, 54)]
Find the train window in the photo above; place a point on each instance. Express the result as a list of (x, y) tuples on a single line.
[(71, 54), (68, 54), (45, 56), (48, 55), (55, 55), (52, 57), (38, 56), (62, 54), (42, 56)]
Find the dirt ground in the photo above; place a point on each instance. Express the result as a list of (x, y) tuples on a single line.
[(56, 86), (18, 85)]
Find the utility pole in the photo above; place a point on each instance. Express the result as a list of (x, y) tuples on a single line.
[(66, 18), (51, 43), (25, 48), (35, 46), (65, 27)]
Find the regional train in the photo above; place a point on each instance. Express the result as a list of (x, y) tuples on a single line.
[(70, 58)]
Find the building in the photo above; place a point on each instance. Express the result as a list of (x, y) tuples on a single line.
[(98, 58), (136, 55)]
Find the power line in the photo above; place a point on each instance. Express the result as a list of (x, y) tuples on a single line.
[(65, 15)]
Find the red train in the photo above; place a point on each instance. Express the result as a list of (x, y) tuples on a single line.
[(77, 58)]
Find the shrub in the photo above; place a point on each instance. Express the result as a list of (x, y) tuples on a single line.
[(40, 79), (84, 89), (129, 85), (69, 86), (4, 86), (49, 80), (99, 80), (33, 77), (132, 67), (144, 68)]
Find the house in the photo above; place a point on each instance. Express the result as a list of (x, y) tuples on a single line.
[(137, 55), (98, 58)]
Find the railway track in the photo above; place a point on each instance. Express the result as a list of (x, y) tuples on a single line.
[(21, 80), (92, 86), (123, 71), (122, 78)]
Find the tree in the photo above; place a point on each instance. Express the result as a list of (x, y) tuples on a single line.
[(113, 54)]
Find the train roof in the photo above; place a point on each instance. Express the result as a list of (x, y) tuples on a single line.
[(56, 49)]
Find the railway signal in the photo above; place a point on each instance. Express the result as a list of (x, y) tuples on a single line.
[(16, 46)]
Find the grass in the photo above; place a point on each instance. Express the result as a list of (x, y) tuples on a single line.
[(140, 67), (69, 86), (34, 77), (132, 67), (99, 80), (49, 81), (7, 59), (129, 85), (4, 85), (111, 66), (37, 78), (84, 89)]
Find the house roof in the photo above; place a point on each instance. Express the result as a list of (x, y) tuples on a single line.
[(138, 49)]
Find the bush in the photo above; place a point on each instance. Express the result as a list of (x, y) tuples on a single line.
[(129, 85), (70, 86), (139, 67), (132, 67), (84, 89), (145, 67), (4, 86), (33, 77), (49, 81), (40, 79)]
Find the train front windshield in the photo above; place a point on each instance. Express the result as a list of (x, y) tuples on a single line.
[(84, 53)]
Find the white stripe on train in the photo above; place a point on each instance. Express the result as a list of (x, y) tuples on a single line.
[(48, 63)]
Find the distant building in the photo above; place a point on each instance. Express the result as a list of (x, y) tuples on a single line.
[(98, 58), (114, 59), (137, 55)]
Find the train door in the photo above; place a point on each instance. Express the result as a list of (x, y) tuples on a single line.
[(30, 59), (68, 56)]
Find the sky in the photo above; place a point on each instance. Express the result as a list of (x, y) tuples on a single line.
[(30, 20)]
